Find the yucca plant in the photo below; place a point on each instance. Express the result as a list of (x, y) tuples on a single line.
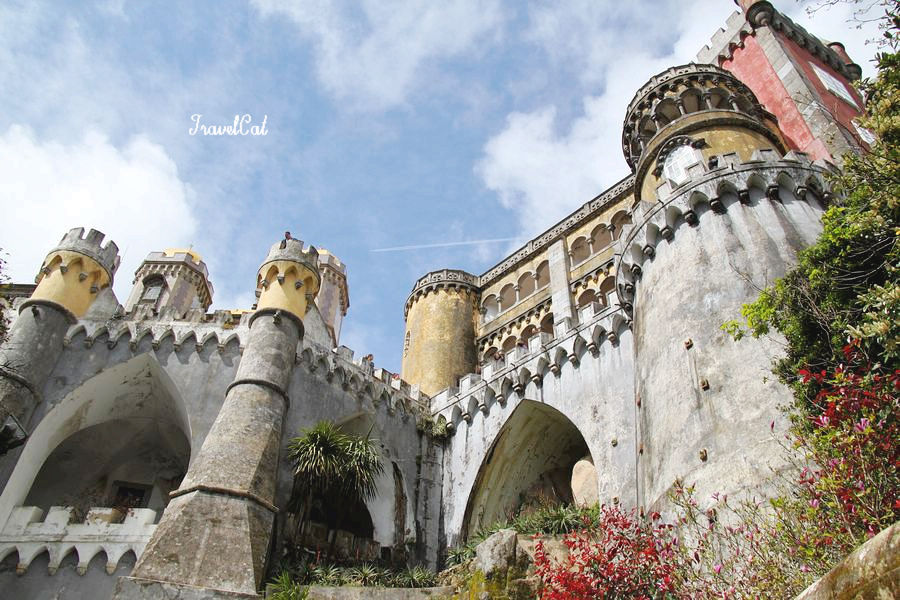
[(285, 588), (334, 465)]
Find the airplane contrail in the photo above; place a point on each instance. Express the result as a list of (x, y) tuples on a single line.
[(442, 245)]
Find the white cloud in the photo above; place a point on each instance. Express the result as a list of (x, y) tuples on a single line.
[(373, 61), (133, 194), (542, 169)]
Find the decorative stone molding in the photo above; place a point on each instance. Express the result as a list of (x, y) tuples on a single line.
[(762, 14), (528, 366), (702, 81), (587, 211), (28, 533), (443, 279), (637, 245)]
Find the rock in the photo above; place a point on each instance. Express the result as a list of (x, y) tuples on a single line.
[(497, 553), (584, 482)]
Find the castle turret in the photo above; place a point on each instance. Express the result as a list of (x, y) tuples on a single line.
[(333, 299), (722, 211), (804, 81), (439, 345), (70, 279), (227, 497), (174, 279)]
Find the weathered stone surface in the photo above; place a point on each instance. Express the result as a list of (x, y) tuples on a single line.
[(497, 553), (134, 588), (872, 571), (209, 540), (584, 482)]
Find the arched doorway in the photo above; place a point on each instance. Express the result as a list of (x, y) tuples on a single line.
[(122, 437), (530, 462)]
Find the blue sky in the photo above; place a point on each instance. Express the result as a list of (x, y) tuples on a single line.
[(389, 124)]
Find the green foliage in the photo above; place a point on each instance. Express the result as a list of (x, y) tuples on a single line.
[(553, 519), (332, 463), (362, 575), (285, 588)]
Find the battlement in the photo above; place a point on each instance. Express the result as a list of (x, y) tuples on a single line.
[(762, 14), (30, 533), (673, 96), (544, 355), (327, 259), (223, 334), (443, 279), (91, 245), (295, 251), (715, 186)]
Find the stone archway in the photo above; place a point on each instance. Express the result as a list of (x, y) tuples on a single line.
[(531, 460), (133, 407)]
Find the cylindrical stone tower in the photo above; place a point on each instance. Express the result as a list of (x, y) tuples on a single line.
[(439, 345), (72, 276), (720, 212), (219, 522)]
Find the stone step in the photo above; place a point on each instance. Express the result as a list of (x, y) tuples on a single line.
[(318, 592)]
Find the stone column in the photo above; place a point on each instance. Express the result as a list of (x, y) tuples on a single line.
[(559, 282), (69, 281), (213, 539)]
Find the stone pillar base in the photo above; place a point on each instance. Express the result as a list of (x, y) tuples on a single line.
[(207, 541), (135, 588)]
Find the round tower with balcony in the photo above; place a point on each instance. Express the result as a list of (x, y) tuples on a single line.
[(439, 342), (720, 212)]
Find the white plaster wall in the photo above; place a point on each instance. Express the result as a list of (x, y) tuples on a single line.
[(596, 395)]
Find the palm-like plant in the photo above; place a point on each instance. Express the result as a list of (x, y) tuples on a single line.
[(333, 464)]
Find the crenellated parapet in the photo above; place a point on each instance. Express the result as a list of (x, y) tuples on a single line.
[(729, 185), (289, 278), (687, 98), (75, 271), (29, 533), (544, 356), (763, 14)]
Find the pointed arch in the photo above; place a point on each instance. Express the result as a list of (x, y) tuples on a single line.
[(532, 455)]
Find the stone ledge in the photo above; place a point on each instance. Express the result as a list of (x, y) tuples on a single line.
[(373, 593), (870, 571)]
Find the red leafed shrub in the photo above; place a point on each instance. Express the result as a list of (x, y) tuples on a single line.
[(852, 440), (617, 556)]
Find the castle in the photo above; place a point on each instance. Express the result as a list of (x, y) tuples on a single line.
[(589, 365)]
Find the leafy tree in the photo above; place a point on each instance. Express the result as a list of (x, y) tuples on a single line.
[(333, 465)]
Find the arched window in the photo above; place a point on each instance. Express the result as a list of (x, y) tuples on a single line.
[(601, 237), (154, 286), (491, 308), (543, 275), (586, 298), (526, 285), (547, 324), (507, 296), (580, 251), (677, 162)]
